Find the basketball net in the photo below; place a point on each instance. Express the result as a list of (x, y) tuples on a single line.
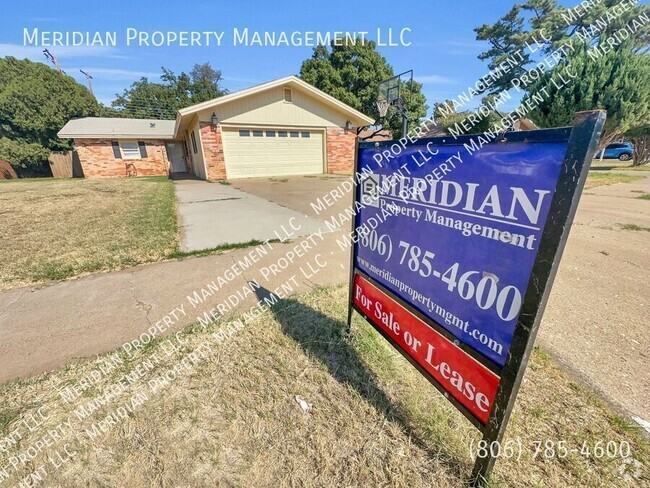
[(382, 107)]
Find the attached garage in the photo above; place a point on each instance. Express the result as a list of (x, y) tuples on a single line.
[(272, 151), (282, 128)]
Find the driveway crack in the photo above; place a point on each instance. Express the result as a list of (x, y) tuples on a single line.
[(141, 304)]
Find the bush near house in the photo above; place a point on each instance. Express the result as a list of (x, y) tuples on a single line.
[(35, 102)]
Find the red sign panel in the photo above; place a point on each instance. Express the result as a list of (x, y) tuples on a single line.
[(468, 381)]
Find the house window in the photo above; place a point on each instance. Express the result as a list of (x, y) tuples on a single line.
[(287, 95), (282, 133), (294, 134), (194, 148), (305, 134), (258, 133), (270, 133), (244, 133), (130, 150)]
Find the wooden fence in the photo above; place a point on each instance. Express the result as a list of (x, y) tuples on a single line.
[(65, 164)]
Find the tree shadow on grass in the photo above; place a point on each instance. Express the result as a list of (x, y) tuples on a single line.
[(324, 338)]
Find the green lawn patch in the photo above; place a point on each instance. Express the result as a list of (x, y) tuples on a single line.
[(634, 227), (614, 165), (596, 179)]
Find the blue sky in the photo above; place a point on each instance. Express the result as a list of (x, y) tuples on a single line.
[(443, 51)]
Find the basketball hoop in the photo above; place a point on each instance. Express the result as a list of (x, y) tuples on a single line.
[(382, 107), (391, 91)]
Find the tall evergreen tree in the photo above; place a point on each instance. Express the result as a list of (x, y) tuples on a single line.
[(36, 101), (616, 81), (351, 73)]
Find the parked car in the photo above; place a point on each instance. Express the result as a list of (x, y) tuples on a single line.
[(618, 150)]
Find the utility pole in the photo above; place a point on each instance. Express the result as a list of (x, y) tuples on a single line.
[(50, 55), (88, 78)]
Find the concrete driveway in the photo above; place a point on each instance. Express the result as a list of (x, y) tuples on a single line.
[(299, 192), (214, 214)]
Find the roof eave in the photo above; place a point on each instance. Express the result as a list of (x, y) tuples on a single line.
[(115, 136), (358, 116)]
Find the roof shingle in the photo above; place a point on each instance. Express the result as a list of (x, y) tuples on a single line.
[(97, 127)]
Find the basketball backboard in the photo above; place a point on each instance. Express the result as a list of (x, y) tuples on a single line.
[(390, 93)]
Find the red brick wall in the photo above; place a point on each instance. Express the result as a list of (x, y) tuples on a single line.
[(213, 151), (340, 150), (97, 159)]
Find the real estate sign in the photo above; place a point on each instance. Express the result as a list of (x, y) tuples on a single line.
[(457, 241)]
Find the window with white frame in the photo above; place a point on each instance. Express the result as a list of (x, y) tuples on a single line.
[(130, 150), (288, 95)]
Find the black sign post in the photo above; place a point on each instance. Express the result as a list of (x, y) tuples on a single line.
[(491, 383), (587, 128)]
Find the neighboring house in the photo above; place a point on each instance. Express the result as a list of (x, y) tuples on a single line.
[(433, 130), (369, 135), (283, 127), (437, 130)]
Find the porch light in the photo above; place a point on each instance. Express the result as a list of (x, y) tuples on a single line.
[(348, 125), (214, 119)]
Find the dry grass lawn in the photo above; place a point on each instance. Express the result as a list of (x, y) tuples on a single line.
[(596, 179), (615, 164), (233, 420), (54, 229)]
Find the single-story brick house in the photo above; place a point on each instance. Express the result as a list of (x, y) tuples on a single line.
[(283, 127)]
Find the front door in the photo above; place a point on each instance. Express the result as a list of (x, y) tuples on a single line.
[(176, 157)]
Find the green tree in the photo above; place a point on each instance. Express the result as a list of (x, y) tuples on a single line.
[(535, 28), (36, 101), (615, 32), (640, 137), (615, 81), (460, 122), (204, 83), (351, 73), (145, 99)]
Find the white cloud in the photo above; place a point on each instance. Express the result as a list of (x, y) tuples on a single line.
[(115, 73), (432, 79)]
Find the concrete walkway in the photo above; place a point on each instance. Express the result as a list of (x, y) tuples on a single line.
[(43, 329), (213, 214)]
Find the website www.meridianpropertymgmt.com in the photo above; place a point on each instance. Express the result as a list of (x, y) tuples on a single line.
[(445, 316)]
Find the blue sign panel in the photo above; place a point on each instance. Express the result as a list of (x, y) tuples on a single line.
[(454, 231)]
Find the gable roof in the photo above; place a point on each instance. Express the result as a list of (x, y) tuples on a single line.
[(110, 127), (356, 117)]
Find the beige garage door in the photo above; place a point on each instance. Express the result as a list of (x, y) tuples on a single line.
[(251, 153)]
